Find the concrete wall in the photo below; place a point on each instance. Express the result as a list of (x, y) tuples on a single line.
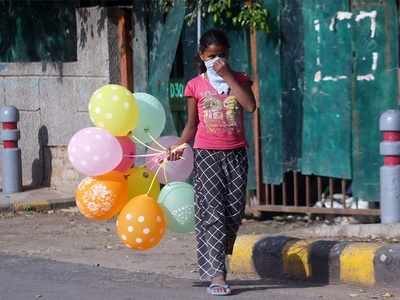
[(53, 99)]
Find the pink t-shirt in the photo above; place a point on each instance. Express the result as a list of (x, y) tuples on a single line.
[(220, 116)]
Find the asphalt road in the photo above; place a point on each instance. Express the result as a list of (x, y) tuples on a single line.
[(24, 278)]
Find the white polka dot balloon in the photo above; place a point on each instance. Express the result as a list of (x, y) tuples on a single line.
[(141, 223), (93, 151), (177, 201), (114, 108)]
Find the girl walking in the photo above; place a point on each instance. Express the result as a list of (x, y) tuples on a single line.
[(216, 100)]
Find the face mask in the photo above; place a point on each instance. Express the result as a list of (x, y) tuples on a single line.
[(215, 80), (210, 63)]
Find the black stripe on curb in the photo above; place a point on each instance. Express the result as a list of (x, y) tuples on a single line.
[(323, 261), (267, 256), (324, 257), (387, 265), (334, 263)]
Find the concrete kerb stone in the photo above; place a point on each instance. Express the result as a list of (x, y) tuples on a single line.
[(387, 264), (37, 205), (386, 231), (35, 201), (268, 255), (319, 261)]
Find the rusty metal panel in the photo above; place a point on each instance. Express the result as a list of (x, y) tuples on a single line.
[(375, 41), (162, 54), (326, 149), (269, 69), (292, 77)]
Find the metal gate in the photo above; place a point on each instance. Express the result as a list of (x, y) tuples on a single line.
[(325, 74), (311, 194)]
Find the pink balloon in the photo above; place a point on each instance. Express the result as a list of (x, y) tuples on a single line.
[(178, 170), (94, 151), (128, 150)]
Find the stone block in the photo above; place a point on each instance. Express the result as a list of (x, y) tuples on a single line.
[(92, 47), (2, 92), (32, 137), (85, 90), (63, 177), (23, 92), (32, 69), (59, 108)]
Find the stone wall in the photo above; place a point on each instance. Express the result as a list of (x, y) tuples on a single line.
[(63, 176), (53, 98)]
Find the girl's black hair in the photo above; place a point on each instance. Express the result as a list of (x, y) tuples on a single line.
[(211, 37)]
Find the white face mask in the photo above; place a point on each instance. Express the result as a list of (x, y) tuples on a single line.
[(210, 63), (216, 81)]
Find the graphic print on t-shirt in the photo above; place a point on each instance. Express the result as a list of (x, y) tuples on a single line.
[(221, 114)]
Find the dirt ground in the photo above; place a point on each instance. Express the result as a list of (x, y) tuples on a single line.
[(65, 235)]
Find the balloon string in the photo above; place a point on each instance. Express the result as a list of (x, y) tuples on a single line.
[(165, 173), (163, 165), (142, 155), (155, 141), (154, 178), (146, 146)]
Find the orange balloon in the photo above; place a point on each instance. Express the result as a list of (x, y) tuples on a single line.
[(141, 223), (102, 197)]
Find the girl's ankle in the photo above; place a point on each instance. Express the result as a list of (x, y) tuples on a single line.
[(220, 279)]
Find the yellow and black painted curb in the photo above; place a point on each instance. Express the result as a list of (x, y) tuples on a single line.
[(37, 205), (317, 260)]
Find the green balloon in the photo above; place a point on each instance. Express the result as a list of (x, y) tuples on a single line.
[(151, 117), (177, 201)]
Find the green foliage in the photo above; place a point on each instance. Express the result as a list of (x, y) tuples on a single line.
[(253, 16), (37, 31), (245, 14)]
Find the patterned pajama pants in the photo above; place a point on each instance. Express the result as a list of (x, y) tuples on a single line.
[(220, 181)]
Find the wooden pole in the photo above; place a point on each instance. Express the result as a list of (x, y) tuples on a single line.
[(256, 118), (125, 51)]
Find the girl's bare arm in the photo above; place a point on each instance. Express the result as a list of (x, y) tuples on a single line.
[(192, 121), (190, 129)]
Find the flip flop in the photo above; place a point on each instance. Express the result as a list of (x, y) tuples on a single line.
[(219, 289)]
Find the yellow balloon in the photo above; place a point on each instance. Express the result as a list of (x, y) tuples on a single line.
[(139, 180), (114, 108)]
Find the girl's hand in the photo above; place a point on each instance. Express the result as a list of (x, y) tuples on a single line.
[(221, 66), (175, 153)]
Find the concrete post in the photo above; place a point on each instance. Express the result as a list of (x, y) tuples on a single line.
[(11, 154), (389, 124)]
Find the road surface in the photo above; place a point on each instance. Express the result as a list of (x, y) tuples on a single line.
[(23, 278)]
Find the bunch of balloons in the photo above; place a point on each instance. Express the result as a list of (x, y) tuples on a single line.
[(115, 186)]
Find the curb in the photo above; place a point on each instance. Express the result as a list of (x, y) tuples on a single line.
[(367, 231), (321, 261), (36, 204)]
